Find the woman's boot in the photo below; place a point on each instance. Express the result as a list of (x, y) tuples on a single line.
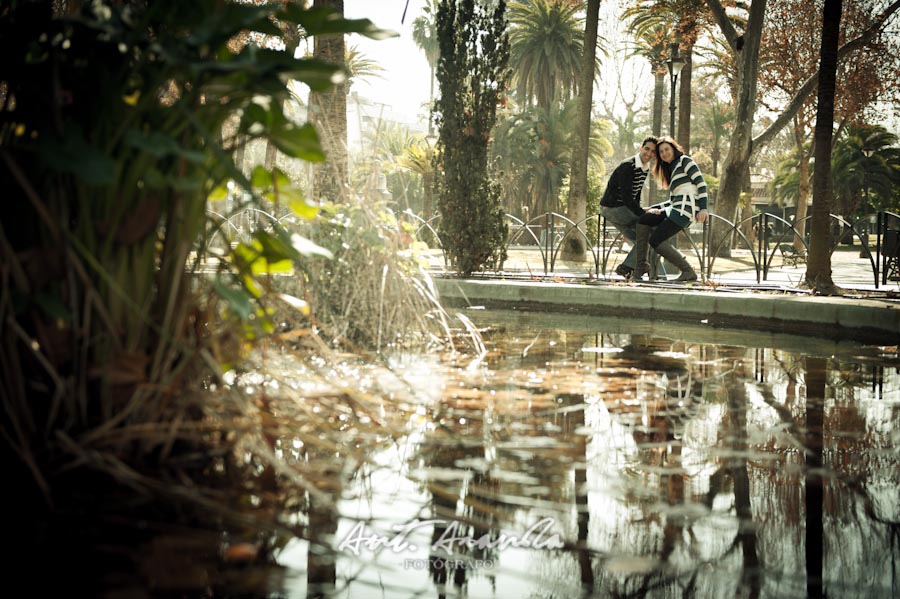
[(641, 245), (671, 253)]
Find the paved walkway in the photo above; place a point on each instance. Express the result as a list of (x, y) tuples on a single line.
[(849, 271), (732, 297)]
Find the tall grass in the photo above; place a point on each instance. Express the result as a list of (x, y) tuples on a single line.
[(104, 334), (376, 293), (135, 378)]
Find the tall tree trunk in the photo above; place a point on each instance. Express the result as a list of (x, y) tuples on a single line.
[(290, 35), (739, 152), (738, 403), (544, 201), (684, 99), (716, 155), (816, 382), (818, 265), (271, 154), (430, 100), (239, 154), (574, 247), (659, 88), (230, 140), (683, 126), (746, 206), (328, 111), (802, 206), (716, 151), (658, 91)]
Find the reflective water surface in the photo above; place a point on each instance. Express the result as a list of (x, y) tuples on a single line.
[(584, 457)]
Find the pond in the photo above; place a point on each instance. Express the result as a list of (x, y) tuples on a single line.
[(591, 457)]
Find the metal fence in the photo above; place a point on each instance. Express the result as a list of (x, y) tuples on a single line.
[(764, 244)]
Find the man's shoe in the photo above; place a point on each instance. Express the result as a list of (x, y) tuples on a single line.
[(624, 271)]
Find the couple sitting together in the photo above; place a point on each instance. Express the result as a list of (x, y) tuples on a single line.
[(655, 226)]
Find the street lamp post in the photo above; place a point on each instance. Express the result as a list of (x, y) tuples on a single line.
[(674, 64)]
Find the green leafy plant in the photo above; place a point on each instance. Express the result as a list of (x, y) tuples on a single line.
[(376, 294), (473, 76), (107, 172)]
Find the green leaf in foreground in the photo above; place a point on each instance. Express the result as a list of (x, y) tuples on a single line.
[(237, 299)]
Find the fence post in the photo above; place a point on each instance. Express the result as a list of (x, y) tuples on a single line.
[(547, 227), (879, 266), (760, 252), (704, 246), (602, 244), (769, 226)]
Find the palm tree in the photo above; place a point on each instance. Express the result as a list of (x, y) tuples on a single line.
[(578, 177), (785, 185), (398, 150), (551, 154), (686, 19), (818, 264), (718, 61), (652, 43), (510, 152), (388, 139), (547, 57), (853, 172), (328, 111), (546, 40), (716, 119), (424, 34), (360, 67), (419, 159), (860, 181), (291, 37), (534, 151)]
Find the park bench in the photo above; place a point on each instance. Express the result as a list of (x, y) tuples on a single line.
[(890, 249), (790, 256)]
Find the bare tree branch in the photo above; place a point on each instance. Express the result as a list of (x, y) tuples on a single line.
[(724, 23), (807, 88)]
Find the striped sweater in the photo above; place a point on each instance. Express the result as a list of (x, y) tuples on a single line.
[(686, 179)]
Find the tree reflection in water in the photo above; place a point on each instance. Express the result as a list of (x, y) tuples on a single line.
[(710, 465), (816, 371)]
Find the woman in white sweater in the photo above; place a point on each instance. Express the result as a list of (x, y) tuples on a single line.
[(679, 173)]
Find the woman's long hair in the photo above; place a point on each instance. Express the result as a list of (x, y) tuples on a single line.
[(660, 171)]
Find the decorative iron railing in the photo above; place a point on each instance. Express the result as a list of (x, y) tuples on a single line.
[(765, 242), (761, 239)]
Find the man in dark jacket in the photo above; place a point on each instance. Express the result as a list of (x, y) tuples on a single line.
[(621, 202)]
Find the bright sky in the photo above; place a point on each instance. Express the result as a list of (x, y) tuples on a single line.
[(404, 85), (403, 89)]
